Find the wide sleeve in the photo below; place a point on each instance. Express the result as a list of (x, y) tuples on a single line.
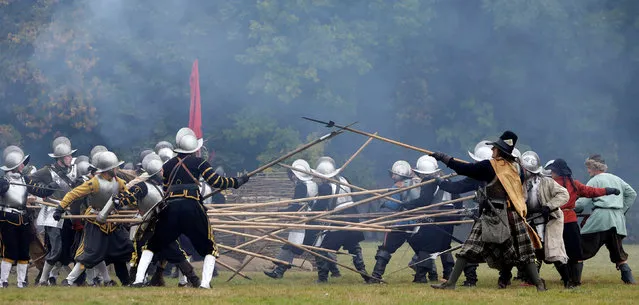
[(85, 189), (589, 191), (629, 196), (482, 171)]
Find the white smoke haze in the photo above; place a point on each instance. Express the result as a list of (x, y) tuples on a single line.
[(558, 73)]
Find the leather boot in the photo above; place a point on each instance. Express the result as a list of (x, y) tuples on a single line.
[(189, 272), (132, 272), (157, 279), (471, 275), (565, 275), (575, 272), (448, 263), (626, 274), (420, 275), (382, 257), (505, 274), (533, 275), (358, 262), (322, 269), (460, 264), (333, 266), (277, 272)]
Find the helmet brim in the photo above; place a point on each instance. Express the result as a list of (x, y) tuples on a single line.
[(200, 142), (24, 161), (329, 176), (60, 156), (426, 172), (109, 168)]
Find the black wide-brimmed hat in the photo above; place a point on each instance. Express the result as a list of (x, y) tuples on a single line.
[(506, 142), (560, 168)]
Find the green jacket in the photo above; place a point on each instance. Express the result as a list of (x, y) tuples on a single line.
[(607, 211)]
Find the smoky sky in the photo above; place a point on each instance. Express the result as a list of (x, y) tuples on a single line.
[(563, 87)]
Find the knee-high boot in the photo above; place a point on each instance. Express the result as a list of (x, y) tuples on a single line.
[(460, 264), (382, 257)]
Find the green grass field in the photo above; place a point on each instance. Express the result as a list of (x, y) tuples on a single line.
[(601, 285)]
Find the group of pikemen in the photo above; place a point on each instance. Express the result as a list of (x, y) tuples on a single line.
[(524, 214)]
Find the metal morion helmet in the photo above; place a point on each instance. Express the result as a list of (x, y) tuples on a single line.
[(305, 169), (152, 164), (82, 165), (144, 153), (516, 153), (163, 144), (13, 156), (483, 151), (426, 165), (325, 168), (106, 161), (166, 154), (61, 148), (530, 161), (186, 141), (95, 151), (401, 168)]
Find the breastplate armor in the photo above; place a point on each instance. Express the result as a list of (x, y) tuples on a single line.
[(16, 196), (410, 194), (342, 189), (106, 190), (153, 196), (206, 189), (62, 184)]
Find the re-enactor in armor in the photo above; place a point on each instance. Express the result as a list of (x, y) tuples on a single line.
[(501, 237), (61, 175), (304, 187), (101, 240), (182, 211), (402, 177), (15, 226), (336, 239), (145, 195)]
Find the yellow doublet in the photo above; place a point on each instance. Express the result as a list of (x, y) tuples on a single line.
[(87, 188)]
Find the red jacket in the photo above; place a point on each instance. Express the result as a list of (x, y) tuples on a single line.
[(581, 191)]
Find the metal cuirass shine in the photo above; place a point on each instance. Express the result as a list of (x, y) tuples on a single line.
[(153, 196), (16, 196), (107, 189), (206, 189), (341, 189)]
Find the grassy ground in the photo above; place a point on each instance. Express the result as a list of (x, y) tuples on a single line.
[(601, 285)]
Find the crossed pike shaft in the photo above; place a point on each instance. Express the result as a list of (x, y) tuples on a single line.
[(525, 214)]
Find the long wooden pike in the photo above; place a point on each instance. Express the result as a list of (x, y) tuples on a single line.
[(277, 241), (367, 200), (288, 155), (375, 220), (221, 263), (368, 134), (289, 201), (275, 260), (355, 154)]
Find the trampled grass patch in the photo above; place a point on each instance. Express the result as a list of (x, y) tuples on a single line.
[(601, 285)]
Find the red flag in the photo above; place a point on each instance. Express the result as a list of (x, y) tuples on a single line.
[(195, 115)]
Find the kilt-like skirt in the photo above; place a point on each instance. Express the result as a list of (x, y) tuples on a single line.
[(517, 250)]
